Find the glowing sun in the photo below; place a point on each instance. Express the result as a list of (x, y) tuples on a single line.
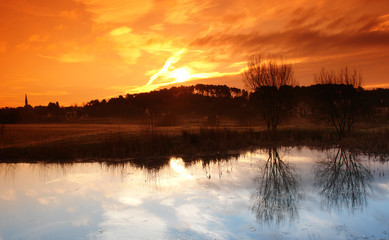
[(180, 74)]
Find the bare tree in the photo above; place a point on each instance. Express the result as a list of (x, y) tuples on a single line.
[(337, 98), (270, 80), (344, 77)]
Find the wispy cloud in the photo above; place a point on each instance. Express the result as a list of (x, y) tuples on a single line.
[(2, 46), (372, 86), (73, 57), (37, 38), (143, 45), (382, 24), (130, 46), (186, 11), (119, 11), (175, 58), (120, 31), (49, 93)]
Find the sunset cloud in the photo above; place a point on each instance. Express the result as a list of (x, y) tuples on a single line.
[(382, 24), (73, 57), (2, 47), (145, 45), (186, 11), (120, 31), (118, 11), (37, 38), (48, 93)]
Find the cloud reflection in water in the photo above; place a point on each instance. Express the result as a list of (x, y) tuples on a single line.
[(181, 200)]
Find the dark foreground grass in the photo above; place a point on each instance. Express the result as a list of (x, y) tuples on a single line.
[(155, 148)]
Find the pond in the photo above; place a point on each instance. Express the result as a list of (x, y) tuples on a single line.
[(285, 193)]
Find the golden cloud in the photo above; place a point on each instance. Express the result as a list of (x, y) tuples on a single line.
[(37, 38), (119, 11), (73, 57), (383, 24), (130, 45), (143, 45), (2, 46), (120, 31)]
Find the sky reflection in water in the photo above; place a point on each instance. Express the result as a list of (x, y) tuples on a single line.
[(269, 194)]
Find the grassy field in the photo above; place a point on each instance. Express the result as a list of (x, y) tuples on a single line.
[(63, 142), (20, 135)]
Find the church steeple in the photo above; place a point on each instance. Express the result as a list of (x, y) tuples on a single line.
[(25, 101)]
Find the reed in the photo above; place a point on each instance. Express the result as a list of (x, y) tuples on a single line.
[(154, 146)]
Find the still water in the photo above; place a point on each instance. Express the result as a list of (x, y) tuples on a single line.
[(266, 194)]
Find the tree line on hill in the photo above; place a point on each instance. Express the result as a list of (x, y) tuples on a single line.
[(185, 101), (211, 103)]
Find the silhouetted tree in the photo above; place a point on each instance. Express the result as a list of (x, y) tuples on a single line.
[(170, 106), (336, 98), (55, 112), (268, 79), (10, 115)]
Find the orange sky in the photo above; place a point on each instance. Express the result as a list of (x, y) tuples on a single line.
[(73, 51)]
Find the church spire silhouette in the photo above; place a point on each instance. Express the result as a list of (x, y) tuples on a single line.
[(25, 101)]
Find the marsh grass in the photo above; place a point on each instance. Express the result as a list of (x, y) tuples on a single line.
[(157, 146)]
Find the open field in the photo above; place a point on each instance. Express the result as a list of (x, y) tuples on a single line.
[(21, 135)]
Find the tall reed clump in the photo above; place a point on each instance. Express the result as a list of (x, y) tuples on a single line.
[(147, 144), (217, 139), (372, 142)]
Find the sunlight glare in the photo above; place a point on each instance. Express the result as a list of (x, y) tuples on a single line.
[(180, 74), (173, 59), (178, 166)]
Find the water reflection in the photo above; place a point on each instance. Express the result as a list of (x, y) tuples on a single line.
[(224, 163), (8, 170), (343, 181), (277, 193), (208, 199)]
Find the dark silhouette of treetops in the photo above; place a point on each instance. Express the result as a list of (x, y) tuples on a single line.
[(269, 79), (337, 98)]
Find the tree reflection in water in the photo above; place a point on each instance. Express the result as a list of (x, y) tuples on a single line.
[(343, 181), (277, 195), (7, 172)]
